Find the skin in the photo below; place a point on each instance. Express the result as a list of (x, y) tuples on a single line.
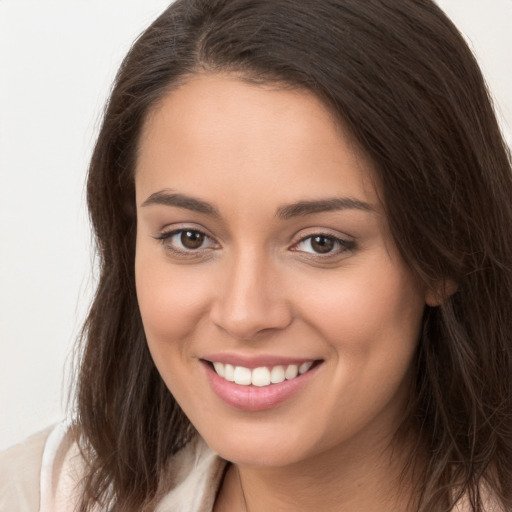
[(257, 285)]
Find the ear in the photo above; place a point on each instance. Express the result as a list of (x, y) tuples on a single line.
[(440, 292)]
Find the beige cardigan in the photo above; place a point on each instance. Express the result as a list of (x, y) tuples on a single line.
[(43, 474)]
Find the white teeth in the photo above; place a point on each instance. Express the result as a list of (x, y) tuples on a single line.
[(219, 368), (229, 372), (291, 371), (277, 375), (262, 376), (242, 376), (304, 367)]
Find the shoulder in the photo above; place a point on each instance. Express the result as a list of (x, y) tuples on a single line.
[(41, 473), (20, 470)]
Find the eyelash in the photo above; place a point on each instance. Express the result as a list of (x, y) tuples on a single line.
[(165, 236), (341, 244)]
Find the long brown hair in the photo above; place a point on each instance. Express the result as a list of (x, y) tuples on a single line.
[(402, 80)]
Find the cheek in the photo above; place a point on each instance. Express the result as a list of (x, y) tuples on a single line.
[(371, 321), (171, 306), (380, 305), (171, 299)]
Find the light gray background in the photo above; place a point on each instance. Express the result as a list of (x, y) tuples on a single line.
[(57, 61)]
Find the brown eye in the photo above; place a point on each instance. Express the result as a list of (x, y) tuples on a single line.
[(192, 239), (322, 244), (186, 241)]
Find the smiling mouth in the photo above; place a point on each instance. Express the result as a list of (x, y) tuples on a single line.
[(262, 376)]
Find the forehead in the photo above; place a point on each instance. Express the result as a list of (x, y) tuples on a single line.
[(221, 137)]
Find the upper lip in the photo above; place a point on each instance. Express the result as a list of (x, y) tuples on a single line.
[(256, 361)]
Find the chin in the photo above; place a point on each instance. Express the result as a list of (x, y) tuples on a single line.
[(259, 447)]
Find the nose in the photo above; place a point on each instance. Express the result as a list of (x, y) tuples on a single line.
[(250, 300)]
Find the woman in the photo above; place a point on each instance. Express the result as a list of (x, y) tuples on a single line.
[(303, 216)]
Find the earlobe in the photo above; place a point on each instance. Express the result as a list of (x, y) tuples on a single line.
[(438, 294)]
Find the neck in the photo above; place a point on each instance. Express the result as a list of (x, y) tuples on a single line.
[(339, 479)]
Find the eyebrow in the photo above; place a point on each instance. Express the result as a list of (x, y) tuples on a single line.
[(323, 205), (181, 201), (298, 209)]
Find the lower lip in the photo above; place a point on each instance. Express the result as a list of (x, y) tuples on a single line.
[(254, 398)]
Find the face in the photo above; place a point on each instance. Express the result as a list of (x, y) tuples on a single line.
[(275, 304)]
